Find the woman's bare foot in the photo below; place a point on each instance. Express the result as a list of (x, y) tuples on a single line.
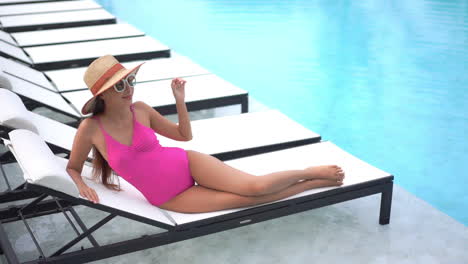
[(319, 183), (326, 172)]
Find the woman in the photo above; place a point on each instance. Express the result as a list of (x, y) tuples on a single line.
[(121, 135)]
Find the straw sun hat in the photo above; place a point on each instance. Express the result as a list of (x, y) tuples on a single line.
[(102, 74)]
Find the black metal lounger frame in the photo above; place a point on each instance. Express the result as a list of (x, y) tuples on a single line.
[(384, 186)]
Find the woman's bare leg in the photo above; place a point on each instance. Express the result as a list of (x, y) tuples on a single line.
[(199, 199), (212, 173), (277, 181)]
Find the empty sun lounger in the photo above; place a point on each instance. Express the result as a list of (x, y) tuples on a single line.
[(246, 134), (66, 80), (71, 35), (208, 92), (203, 91), (26, 73), (82, 54), (34, 8), (16, 2), (46, 175), (56, 20), (36, 96)]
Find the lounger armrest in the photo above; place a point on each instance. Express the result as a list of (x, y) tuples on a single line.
[(13, 113), (40, 166)]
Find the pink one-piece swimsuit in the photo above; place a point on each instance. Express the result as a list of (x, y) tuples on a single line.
[(159, 173)]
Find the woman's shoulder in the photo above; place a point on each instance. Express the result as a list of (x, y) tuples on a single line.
[(142, 106), (88, 125)]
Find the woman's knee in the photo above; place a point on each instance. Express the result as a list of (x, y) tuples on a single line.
[(256, 187)]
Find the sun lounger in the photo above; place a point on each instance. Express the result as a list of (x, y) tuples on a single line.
[(60, 56), (35, 96), (66, 80), (26, 73), (34, 8), (208, 92), (246, 133), (16, 2), (71, 35), (56, 20), (46, 175), (203, 91), (210, 134)]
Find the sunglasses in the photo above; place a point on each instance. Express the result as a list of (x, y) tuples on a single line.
[(120, 86)]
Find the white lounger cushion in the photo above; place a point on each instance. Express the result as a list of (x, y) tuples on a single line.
[(239, 132), (47, 7), (15, 2), (94, 49), (74, 34), (14, 113), (55, 18), (39, 164)]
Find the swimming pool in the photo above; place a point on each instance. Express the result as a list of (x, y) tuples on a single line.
[(386, 81)]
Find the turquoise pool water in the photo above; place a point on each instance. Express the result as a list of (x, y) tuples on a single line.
[(385, 80)]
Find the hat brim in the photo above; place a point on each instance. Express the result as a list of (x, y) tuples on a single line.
[(89, 105)]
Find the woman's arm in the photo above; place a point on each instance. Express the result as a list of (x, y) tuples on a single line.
[(82, 145), (185, 129), (178, 89), (161, 125)]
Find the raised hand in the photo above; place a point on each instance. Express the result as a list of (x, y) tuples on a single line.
[(178, 88)]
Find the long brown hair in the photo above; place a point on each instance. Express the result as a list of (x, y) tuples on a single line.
[(100, 166)]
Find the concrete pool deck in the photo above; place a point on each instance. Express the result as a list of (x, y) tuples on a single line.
[(348, 231)]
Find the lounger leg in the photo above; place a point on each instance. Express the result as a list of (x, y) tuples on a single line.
[(386, 204), (245, 104)]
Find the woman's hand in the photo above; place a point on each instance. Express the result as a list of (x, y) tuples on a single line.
[(88, 192), (178, 88)]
